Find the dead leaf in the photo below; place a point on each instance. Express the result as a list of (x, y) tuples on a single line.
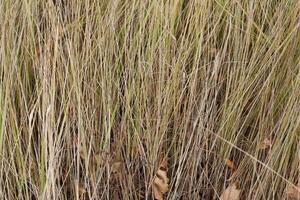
[(231, 193), (115, 195), (116, 167), (293, 192), (230, 164), (265, 144), (160, 184), (38, 51)]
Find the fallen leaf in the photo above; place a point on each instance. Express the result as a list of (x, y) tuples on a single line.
[(231, 193), (116, 167), (230, 164), (293, 192), (265, 144), (115, 195), (160, 184), (38, 50)]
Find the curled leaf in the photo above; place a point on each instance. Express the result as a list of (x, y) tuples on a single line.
[(160, 184), (293, 192), (231, 193), (230, 164)]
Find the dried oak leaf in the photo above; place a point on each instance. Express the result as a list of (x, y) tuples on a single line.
[(116, 167), (231, 193), (230, 164), (160, 184), (265, 144), (293, 192)]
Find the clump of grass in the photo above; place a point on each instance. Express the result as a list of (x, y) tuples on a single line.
[(94, 94)]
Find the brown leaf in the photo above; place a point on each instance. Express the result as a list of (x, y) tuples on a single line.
[(38, 50), (231, 193), (116, 167), (230, 164), (265, 144), (160, 184), (293, 192), (115, 195)]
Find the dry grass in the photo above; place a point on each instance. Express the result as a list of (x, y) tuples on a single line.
[(94, 94)]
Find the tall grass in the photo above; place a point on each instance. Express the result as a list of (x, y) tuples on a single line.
[(86, 84)]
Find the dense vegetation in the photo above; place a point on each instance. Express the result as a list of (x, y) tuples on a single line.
[(98, 99)]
